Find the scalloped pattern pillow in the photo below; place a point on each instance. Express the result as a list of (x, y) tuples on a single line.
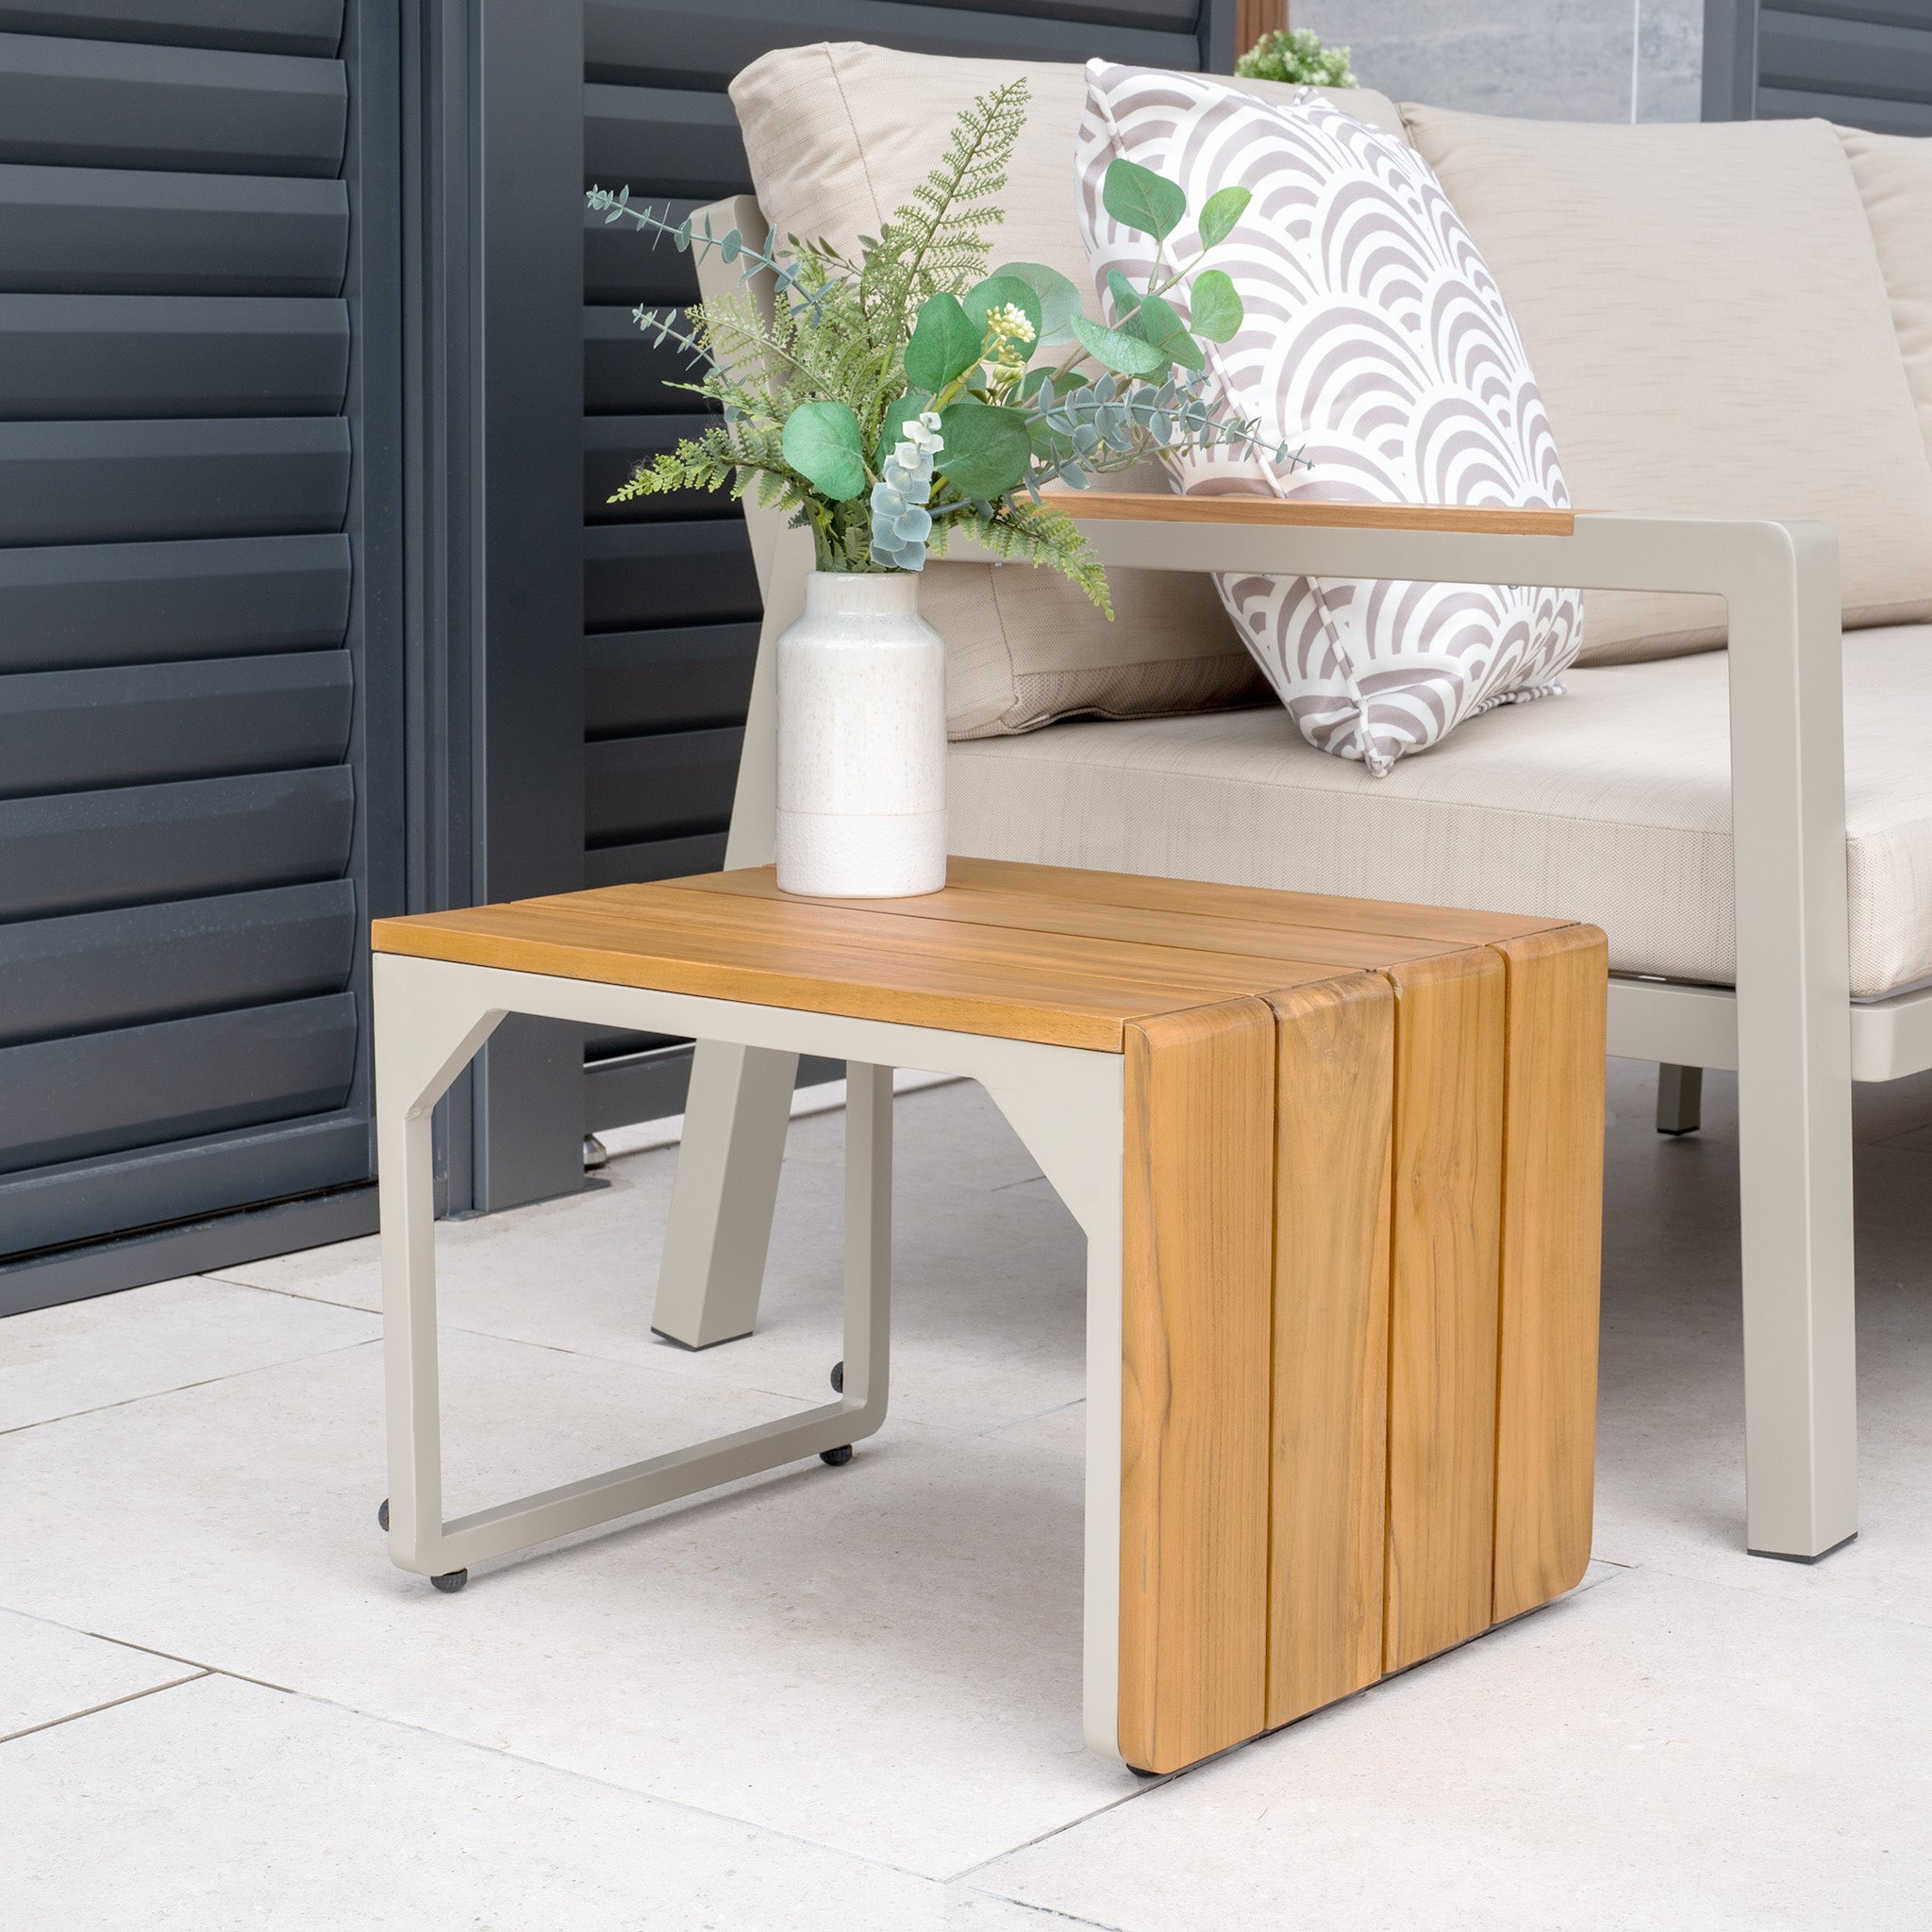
[(1376, 343)]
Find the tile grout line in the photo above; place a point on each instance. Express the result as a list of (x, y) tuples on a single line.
[(182, 1388), (112, 1704), (637, 1791)]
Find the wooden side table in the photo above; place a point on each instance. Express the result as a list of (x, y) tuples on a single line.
[(1338, 1164)]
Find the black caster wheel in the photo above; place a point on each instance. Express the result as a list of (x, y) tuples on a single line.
[(838, 1378), (382, 1515), (450, 1581), (836, 1457)]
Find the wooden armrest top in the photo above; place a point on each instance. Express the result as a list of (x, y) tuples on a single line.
[(1119, 505)]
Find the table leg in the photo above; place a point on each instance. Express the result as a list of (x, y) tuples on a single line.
[(424, 1037)]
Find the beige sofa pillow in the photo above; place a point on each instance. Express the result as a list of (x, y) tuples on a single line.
[(837, 136), (1705, 315), (1894, 176)]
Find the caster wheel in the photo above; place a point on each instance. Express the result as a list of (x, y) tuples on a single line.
[(839, 1378), (836, 1457), (382, 1515), (450, 1581)]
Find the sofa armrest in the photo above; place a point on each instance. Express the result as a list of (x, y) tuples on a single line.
[(1119, 505)]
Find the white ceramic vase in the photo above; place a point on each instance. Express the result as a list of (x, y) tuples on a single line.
[(861, 742)]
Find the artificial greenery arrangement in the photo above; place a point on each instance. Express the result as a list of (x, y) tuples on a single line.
[(897, 395), (1296, 54)]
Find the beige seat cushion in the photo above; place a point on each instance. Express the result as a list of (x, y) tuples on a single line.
[(1894, 176), (838, 136), (1610, 804), (1705, 311)]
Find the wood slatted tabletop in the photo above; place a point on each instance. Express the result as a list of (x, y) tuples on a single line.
[(1360, 1217), (1023, 952)]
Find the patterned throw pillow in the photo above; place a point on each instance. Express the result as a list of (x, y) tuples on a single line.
[(1376, 343)]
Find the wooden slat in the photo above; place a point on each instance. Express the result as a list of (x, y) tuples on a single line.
[(1104, 505), (1444, 1244), (1552, 1163), (1118, 969), (1066, 886), (1200, 898), (1334, 1082), (1023, 986), (1194, 1382), (1092, 919)]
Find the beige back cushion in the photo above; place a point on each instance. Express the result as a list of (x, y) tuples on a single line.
[(1704, 313), (1894, 176), (838, 136)]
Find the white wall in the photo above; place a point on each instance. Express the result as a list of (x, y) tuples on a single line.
[(1546, 59)]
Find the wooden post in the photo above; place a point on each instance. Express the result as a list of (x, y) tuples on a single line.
[(1254, 18)]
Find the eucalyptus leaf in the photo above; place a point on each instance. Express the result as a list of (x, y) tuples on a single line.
[(998, 292), (1140, 199), (892, 427), (1215, 306), (1059, 300), (944, 344), (1156, 324), (988, 449), (1224, 207), (1126, 298), (821, 443)]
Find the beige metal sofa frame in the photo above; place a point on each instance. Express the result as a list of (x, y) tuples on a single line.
[(1788, 1028)]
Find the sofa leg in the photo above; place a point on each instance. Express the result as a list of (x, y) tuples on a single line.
[(726, 1189), (1680, 1099), (1801, 1421)]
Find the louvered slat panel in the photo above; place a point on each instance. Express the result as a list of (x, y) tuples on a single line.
[(621, 264), (113, 1193), (80, 604), (681, 143), (103, 1093), (627, 373), (682, 679), (147, 724), (654, 859), (1847, 111), (688, 43), (122, 356), (77, 482), (1826, 57), (76, 850), (669, 786), (637, 575), (119, 231), (96, 104), (270, 26), (137, 965)]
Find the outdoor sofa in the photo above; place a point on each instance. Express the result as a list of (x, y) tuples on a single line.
[(1732, 328)]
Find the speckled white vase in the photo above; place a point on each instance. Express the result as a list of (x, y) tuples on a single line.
[(861, 742)]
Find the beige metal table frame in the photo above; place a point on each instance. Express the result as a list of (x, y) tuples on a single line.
[(1788, 1028), (1065, 1103)]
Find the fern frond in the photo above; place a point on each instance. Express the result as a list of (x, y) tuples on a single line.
[(935, 240)]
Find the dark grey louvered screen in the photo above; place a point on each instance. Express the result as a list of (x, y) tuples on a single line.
[(1862, 64), (198, 545), (671, 601)]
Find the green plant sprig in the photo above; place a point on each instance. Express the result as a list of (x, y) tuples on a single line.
[(892, 400)]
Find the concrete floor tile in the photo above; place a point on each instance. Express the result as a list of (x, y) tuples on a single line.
[(86, 1354), (884, 1657), (226, 1806), (1651, 1753), (989, 1272), (1671, 1429), (48, 1672)]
